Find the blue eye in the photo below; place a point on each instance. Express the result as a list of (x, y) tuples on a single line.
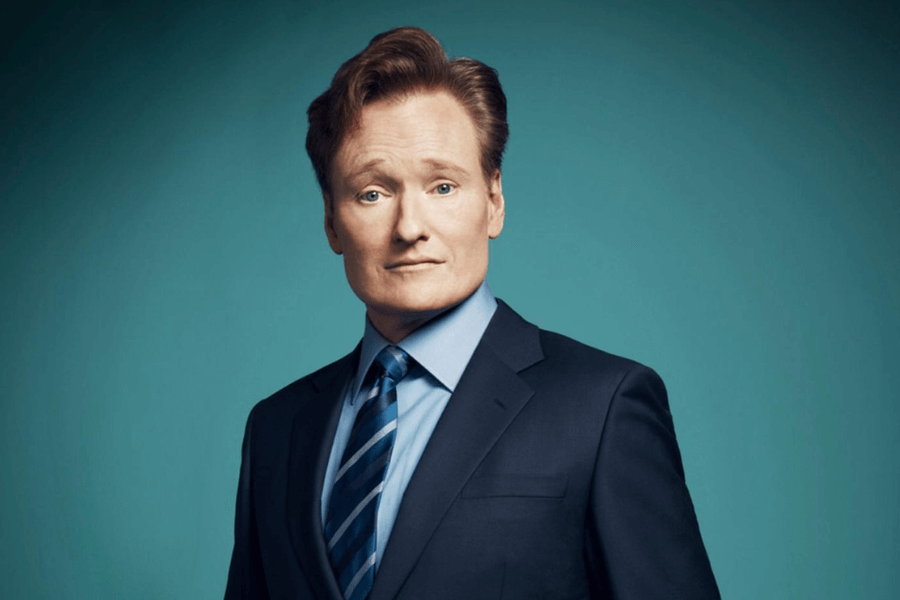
[(371, 196), (444, 189)]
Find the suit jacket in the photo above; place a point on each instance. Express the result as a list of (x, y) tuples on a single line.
[(553, 473)]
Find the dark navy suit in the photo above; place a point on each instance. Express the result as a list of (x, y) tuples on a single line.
[(553, 473)]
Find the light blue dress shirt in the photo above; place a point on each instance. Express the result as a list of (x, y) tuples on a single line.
[(441, 349)]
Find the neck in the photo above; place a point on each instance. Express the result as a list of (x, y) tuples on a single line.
[(395, 327)]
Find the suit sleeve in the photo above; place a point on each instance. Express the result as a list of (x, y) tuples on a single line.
[(643, 533), (245, 576)]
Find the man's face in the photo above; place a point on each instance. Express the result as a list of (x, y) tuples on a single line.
[(411, 211)]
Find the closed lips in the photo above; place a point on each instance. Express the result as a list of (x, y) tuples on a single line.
[(412, 264)]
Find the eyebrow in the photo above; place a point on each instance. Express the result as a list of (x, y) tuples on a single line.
[(442, 166), (438, 165), (367, 167)]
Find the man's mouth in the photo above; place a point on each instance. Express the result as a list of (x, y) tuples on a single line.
[(412, 264)]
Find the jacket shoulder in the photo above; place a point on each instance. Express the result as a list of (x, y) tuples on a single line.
[(576, 366), (580, 356), (292, 397), (526, 347)]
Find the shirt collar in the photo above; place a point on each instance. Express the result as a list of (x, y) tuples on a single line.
[(443, 346)]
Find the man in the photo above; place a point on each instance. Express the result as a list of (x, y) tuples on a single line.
[(458, 451)]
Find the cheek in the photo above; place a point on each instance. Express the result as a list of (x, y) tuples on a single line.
[(355, 255), (360, 258), (357, 237), (471, 244)]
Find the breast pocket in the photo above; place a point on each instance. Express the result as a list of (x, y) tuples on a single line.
[(515, 486)]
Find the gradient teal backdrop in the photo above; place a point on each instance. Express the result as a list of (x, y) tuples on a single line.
[(708, 187)]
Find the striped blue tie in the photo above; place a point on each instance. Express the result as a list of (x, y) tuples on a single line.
[(350, 528)]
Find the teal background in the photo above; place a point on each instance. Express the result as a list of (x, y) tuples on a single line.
[(708, 187)]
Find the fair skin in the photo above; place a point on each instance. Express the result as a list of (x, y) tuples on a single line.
[(410, 210)]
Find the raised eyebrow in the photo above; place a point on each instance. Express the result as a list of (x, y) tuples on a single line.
[(367, 168), (370, 169), (439, 165)]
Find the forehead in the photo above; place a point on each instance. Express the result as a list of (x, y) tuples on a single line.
[(424, 128)]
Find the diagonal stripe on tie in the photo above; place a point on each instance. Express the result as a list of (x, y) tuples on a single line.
[(353, 514), (350, 528), (387, 429), (363, 571)]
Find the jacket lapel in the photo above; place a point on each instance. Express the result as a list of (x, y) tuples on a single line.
[(311, 439), (486, 400)]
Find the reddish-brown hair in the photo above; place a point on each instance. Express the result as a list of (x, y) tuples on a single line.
[(398, 62)]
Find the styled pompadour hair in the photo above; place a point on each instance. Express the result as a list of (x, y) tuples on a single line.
[(399, 62)]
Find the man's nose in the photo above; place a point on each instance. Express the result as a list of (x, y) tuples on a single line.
[(411, 218)]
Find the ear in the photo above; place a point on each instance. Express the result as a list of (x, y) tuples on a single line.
[(333, 239), (496, 206)]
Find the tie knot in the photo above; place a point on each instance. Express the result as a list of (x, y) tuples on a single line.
[(394, 362)]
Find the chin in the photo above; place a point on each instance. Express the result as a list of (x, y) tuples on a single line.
[(415, 303), (413, 307)]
